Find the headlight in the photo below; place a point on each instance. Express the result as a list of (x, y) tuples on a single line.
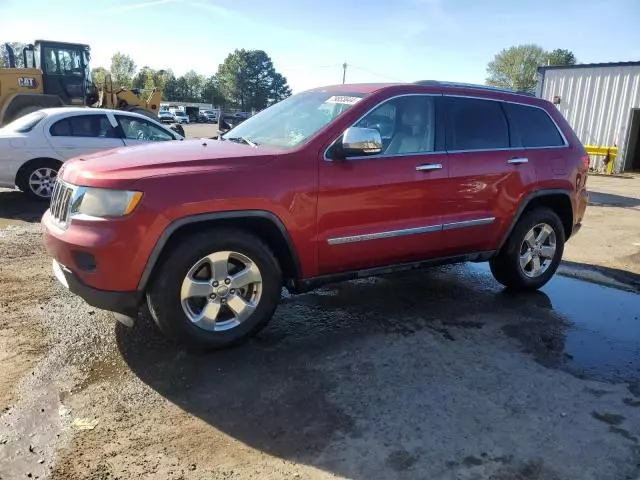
[(102, 202)]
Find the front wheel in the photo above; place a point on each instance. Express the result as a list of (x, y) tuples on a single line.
[(532, 252), (215, 290)]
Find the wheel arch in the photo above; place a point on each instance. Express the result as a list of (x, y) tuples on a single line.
[(23, 168), (557, 199), (264, 224)]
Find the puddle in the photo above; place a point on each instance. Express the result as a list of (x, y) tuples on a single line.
[(597, 332), (604, 337)]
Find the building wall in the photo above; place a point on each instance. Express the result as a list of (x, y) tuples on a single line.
[(597, 102)]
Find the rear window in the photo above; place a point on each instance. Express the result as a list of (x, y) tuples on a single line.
[(94, 126), (532, 127), (25, 123), (475, 124)]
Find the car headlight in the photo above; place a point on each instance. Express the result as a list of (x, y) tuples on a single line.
[(104, 203)]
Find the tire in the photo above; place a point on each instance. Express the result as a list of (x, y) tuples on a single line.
[(174, 315), (45, 170), (514, 266)]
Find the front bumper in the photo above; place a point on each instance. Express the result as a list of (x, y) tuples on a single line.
[(126, 303)]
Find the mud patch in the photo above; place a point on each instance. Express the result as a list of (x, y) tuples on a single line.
[(544, 340), (401, 460), (624, 433), (533, 470), (610, 418)]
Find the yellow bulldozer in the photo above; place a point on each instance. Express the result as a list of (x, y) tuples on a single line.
[(58, 74)]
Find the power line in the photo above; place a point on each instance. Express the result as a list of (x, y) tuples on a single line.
[(375, 73)]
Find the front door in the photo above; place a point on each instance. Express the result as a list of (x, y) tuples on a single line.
[(488, 174), (82, 134), (137, 131), (386, 208)]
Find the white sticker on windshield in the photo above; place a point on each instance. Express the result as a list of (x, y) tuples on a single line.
[(343, 100)]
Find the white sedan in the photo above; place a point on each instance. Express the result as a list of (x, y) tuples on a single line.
[(33, 147)]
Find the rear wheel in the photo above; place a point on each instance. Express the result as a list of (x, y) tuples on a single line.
[(216, 290), (38, 177), (532, 252)]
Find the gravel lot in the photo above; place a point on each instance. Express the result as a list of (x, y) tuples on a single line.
[(433, 375)]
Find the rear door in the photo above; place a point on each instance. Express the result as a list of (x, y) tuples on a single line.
[(137, 131), (488, 174), (546, 148), (385, 208), (82, 134)]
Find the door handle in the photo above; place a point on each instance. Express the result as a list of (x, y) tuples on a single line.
[(429, 166), (517, 161)]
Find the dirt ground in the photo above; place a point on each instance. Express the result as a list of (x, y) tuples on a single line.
[(610, 236), (437, 374)]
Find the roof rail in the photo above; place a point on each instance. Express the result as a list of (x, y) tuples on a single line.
[(470, 85)]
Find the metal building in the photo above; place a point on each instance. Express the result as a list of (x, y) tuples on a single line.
[(601, 101)]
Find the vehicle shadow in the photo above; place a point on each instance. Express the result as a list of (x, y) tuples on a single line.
[(15, 205), (625, 277), (598, 199), (275, 393)]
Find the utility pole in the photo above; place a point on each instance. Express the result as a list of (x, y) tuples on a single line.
[(344, 72)]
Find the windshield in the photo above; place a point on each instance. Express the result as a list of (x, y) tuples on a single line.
[(181, 114), (24, 124), (293, 121)]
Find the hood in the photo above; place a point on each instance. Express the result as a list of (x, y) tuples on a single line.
[(128, 164)]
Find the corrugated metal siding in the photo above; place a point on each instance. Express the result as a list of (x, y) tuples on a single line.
[(597, 102)]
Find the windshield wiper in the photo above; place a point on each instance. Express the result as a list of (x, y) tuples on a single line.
[(244, 140)]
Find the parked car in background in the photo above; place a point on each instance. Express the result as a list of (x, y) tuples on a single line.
[(181, 117), (210, 116), (332, 184), (33, 147), (165, 116)]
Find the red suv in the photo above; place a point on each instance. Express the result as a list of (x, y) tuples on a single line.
[(330, 184)]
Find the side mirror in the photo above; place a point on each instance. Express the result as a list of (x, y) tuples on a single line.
[(361, 141)]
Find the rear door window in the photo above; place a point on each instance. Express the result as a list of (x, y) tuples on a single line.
[(532, 127), (475, 124), (93, 126)]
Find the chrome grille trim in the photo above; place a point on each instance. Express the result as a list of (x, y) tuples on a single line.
[(61, 200)]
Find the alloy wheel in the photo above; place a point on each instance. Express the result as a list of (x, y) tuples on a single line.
[(42, 180), (221, 291), (537, 250)]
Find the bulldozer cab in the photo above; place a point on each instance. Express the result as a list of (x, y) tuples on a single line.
[(65, 69), (53, 74)]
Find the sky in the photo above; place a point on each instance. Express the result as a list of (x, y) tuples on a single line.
[(380, 40)]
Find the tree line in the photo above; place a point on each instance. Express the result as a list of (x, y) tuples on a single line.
[(516, 68), (246, 80)]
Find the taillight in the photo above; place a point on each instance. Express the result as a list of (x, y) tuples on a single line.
[(586, 161)]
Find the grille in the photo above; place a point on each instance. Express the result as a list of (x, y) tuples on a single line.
[(61, 203)]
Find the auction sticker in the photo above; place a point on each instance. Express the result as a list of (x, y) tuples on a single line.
[(343, 100)]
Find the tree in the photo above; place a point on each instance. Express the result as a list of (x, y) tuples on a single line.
[(98, 75), (211, 92), (247, 79), (145, 79), (193, 84), (560, 56), (161, 77), (16, 47), (516, 67), (170, 91), (122, 70)]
